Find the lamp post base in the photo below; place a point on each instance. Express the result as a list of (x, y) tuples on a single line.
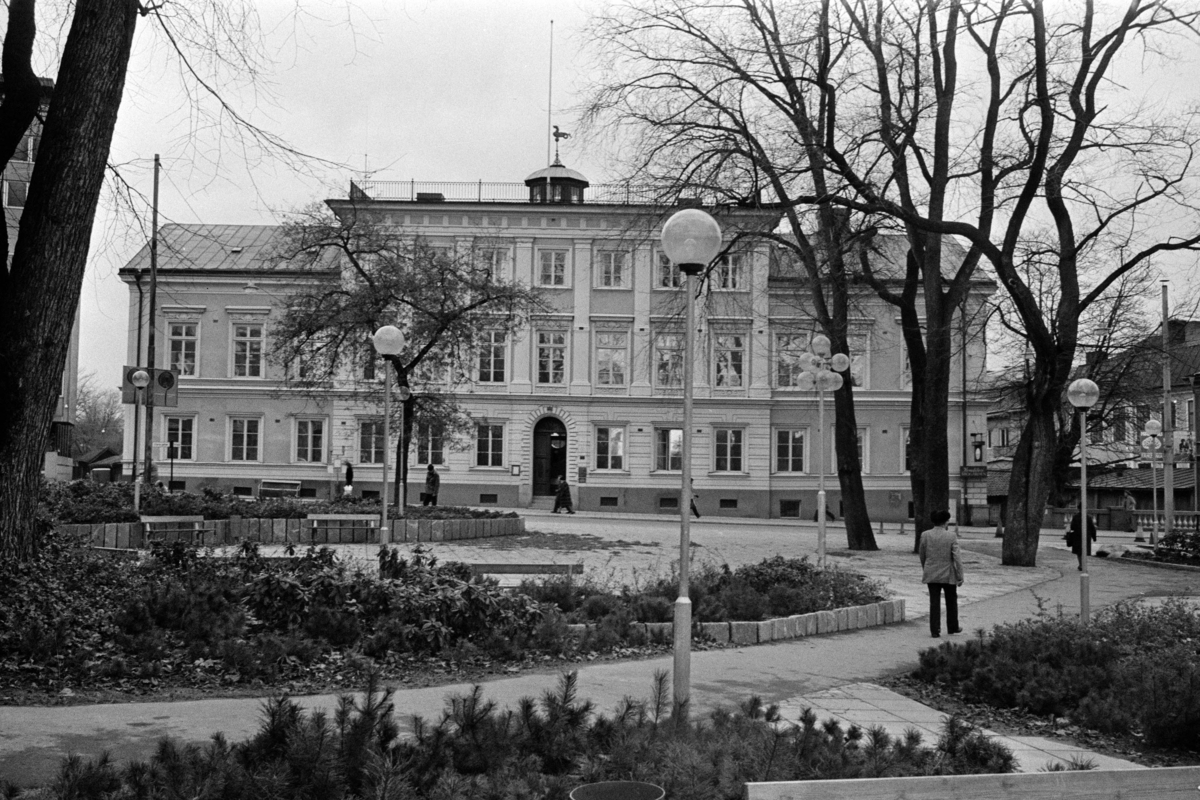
[(681, 683)]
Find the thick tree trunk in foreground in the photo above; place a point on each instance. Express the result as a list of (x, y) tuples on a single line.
[(40, 291), (859, 535), (1029, 488)]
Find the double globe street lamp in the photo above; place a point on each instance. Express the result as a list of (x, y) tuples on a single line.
[(1152, 441), (388, 341), (140, 380), (1083, 394), (822, 370), (690, 239)]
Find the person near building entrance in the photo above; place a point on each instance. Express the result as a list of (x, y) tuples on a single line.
[(433, 482), (562, 495), (1074, 539), (942, 571)]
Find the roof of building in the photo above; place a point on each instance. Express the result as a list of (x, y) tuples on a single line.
[(555, 172), (1138, 479), (222, 248)]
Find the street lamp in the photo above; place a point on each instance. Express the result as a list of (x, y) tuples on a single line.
[(691, 239), (1151, 441), (388, 341), (401, 473), (1083, 394), (822, 371), (140, 380)]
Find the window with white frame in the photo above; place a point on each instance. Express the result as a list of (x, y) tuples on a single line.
[(430, 444), (15, 193), (310, 440), (667, 275), (244, 438), (727, 450), (492, 351), (612, 270), (668, 449), (789, 449), (181, 346), (492, 262), (729, 274), (551, 357), (552, 268), (668, 359), (612, 357), (27, 149), (860, 358), (489, 445), (729, 354), (863, 451), (181, 432), (610, 447), (789, 347), (370, 441), (905, 450), (247, 350)]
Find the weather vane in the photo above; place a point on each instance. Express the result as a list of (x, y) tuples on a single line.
[(557, 136)]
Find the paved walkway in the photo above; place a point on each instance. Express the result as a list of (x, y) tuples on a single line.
[(832, 673)]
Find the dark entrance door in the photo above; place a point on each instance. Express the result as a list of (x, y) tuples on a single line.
[(549, 454)]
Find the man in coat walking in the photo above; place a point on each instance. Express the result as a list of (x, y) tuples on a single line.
[(433, 482), (942, 571)]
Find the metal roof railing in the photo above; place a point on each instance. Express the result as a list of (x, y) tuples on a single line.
[(492, 192)]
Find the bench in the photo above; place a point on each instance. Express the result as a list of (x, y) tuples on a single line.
[(186, 529), (1160, 783), (340, 528), (527, 569)]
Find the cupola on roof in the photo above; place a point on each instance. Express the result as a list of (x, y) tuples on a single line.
[(556, 184)]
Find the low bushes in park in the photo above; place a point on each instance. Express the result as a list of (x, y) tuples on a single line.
[(1176, 547), (90, 502), (542, 749), (1133, 668)]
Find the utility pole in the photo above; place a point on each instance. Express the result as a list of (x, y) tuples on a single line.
[(1168, 424), (148, 460)]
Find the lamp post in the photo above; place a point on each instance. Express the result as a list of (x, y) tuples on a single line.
[(822, 371), (1151, 434), (140, 380), (401, 473), (388, 341), (691, 239), (1083, 394)]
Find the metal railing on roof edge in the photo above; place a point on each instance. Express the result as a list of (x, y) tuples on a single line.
[(510, 192)]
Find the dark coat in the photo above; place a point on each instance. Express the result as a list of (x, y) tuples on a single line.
[(1072, 535)]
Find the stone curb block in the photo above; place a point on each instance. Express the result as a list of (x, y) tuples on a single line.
[(873, 614), (743, 632), (826, 622), (766, 630), (717, 631)]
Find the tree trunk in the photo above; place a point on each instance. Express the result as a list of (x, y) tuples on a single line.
[(854, 506), (935, 411), (1028, 487), (41, 289)]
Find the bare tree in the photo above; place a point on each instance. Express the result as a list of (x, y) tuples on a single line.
[(368, 273), (99, 417)]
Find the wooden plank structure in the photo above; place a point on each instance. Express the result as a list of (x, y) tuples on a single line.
[(340, 529), (1166, 783), (188, 529)]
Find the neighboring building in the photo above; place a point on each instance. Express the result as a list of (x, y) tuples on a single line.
[(590, 390), (58, 463)]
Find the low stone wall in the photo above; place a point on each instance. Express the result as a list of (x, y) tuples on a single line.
[(778, 629), (222, 532)]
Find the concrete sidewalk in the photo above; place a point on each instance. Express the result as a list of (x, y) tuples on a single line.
[(824, 672)]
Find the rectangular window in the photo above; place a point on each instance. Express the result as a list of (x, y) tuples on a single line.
[(243, 442), (491, 357), (368, 364), (667, 275), (182, 346), (668, 359), (489, 445), (493, 263), (789, 450), (860, 359), (611, 357), (310, 440), (728, 450), (181, 432), (906, 464), (729, 354), (247, 350), (28, 148), (15, 193), (552, 357), (553, 268), (789, 347), (430, 444), (668, 449), (863, 452), (610, 270), (730, 273), (370, 442), (610, 448)]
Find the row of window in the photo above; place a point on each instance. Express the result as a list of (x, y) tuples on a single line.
[(310, 440), (15, 193), (613, 269)]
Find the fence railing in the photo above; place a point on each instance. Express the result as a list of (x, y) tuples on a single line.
[(226, 532), (508, 192), (1120, 519)]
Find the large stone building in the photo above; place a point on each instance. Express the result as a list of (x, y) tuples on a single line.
[(591, 389)]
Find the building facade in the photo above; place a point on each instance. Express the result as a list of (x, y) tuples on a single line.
[(590, 390)]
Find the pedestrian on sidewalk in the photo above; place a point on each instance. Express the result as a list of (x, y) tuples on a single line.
[(562, 495), (942, 571), (433, 482), (1074, 539)]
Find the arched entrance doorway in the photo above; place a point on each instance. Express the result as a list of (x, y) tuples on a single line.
[(549, 454)]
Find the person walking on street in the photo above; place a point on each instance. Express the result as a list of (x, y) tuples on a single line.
[(1074, 539), (562, 495), (942, 571), (433, 482)]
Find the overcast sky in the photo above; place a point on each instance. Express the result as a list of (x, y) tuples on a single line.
[(432, 90)]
